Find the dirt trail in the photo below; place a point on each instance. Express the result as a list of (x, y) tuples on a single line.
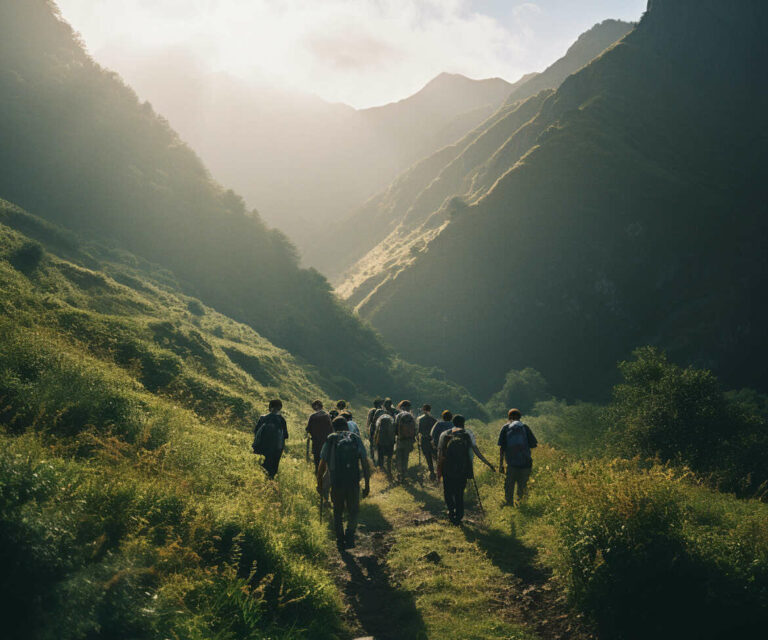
[(380, 606)]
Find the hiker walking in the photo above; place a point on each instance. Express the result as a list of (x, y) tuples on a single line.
[(342, 455), (384, 434), (269, 437), (405, 429), (370, 425), (443, 425), (515, 443), (318, 428), (351, 424), (455, 455), (426, 421)]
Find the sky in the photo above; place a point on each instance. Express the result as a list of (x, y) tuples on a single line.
[(359, 52)]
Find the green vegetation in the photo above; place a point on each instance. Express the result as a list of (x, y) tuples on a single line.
[(521, 389)]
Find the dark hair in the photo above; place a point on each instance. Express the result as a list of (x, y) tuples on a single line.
[(387, 401), (514, 414), (378, 402), (458, 420), (341, 404), (346, 414), (427, 408), (446, 415), (333, 413), (275, 404), (403, 404), (340, 424), (316, 403)]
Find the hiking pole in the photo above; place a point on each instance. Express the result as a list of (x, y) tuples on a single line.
[(479, 502)]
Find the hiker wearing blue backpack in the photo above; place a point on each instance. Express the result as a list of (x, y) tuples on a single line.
[(343, 454), (270, 434), (515, 443)]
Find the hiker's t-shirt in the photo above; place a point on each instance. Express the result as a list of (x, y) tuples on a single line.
[(532, 442), (328, 448), (319, 428), (281, 421), (438, 430), (426, 422), (443, 442)]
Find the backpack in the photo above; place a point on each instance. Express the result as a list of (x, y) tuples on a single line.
[(517, 450), (269, 437), (456, 463), (385, 430), (406, 426), (346, 453)]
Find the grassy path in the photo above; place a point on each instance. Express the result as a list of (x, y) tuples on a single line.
[(413, 575)]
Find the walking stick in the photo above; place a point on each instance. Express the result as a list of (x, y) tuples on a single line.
[(479, 502)]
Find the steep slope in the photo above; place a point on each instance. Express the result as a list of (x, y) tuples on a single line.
[(131, 505), (452, 170), (303, 162), (632, 211), (80, 150)]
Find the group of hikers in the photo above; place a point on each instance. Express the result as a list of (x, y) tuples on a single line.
[(340, 456)]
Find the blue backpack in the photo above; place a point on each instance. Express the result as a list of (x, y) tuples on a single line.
[(517, 450)]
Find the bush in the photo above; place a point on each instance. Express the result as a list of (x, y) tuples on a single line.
[(195, 308), (27, 257), (522, 389), (681, 414), (637, 561)]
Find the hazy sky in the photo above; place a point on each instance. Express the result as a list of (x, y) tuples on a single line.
[(361, 52)]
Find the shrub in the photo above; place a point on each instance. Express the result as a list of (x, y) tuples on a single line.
[(195, 308), (681, 414), (27, 257), (521, 389), (635, 559)]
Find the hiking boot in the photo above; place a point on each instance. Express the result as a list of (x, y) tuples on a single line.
[(349, 542)]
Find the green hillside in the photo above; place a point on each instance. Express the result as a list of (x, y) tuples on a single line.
[(628, 211), (131, 507), (394, 216), (81, 151)]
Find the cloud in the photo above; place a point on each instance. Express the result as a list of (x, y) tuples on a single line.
[(348, 49), (362, 52)]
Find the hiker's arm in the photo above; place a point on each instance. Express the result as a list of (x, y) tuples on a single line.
[(482, 457), (532, 442), (321, 469), (285, 429), (501, 459), (440, 457)]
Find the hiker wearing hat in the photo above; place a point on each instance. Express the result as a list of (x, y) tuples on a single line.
[(405, 433), (342, 456), (426, 421), (515, 443)]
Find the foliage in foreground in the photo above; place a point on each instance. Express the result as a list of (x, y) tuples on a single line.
[(643, 550)]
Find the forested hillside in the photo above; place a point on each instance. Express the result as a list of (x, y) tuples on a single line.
[(393, 218), (80, 150), (629, 210)]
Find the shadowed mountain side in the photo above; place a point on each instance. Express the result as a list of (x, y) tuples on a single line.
[(457, 169), (635, 214)]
